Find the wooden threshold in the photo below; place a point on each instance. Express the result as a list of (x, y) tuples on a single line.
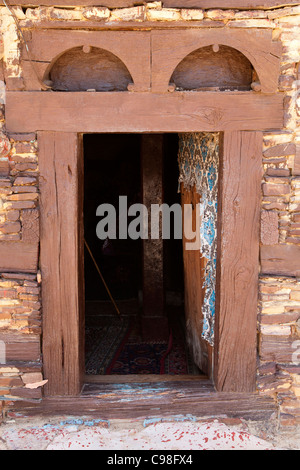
[(141, 378), (194, 398)]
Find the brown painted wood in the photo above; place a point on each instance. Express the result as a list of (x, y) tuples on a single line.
[(238, 261), (239, 4), (19, 256), (150, 400), (21, 347), (169, 48), (94, 25), (160, 51), (48, 46), (280, 260), (194, 265), (144, 112), (30, 226), (279, 349), (59, 259)]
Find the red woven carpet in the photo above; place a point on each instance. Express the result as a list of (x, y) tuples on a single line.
[(125, 352)]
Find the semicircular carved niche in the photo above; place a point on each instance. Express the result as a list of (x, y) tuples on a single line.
[(214, 67), (89, 68)]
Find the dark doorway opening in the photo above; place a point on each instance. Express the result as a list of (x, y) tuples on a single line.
[(119, 340)]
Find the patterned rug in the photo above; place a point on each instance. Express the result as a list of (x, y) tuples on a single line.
[(114, 346), (104, 336)]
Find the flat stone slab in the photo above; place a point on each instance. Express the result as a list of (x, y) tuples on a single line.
[(86, 434)]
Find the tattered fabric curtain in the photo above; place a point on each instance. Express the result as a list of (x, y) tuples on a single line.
[(198, 159)]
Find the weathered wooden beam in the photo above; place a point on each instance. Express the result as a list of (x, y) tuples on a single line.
[(20, 347), (61, 290), (279, 349), (280, 260), (238, 261), (194, 268), (144, 112), (169, 48), (47, 46), (18, 256), (150, 400)]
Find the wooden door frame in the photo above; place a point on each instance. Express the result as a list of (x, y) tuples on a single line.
[(61, 261), (151, 107)]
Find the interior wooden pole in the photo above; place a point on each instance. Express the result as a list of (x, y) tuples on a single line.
[(154, 321)]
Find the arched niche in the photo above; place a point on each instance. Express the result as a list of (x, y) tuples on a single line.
[(88, 68), (214, 67)]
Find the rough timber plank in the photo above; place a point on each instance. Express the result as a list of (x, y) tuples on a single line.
[(58, 155), (46, 46), (21, 347), (149, 400), (18, 256), (238, 261), (142, 112), (280, 260), (194, 265), (239, 4), (169, 48), (279, 349)]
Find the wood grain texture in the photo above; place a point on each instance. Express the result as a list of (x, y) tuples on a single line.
[(280, 260), (95, 25), (239, 4), (21, 347), (196, 398), (19, 256), (144, 112), (30, 226), (238, 261), (279, 349), (269, 232), (58, 161), (257, 46), (47, 46), (194, 266)]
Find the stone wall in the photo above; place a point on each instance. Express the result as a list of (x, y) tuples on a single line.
[(279, 297)]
